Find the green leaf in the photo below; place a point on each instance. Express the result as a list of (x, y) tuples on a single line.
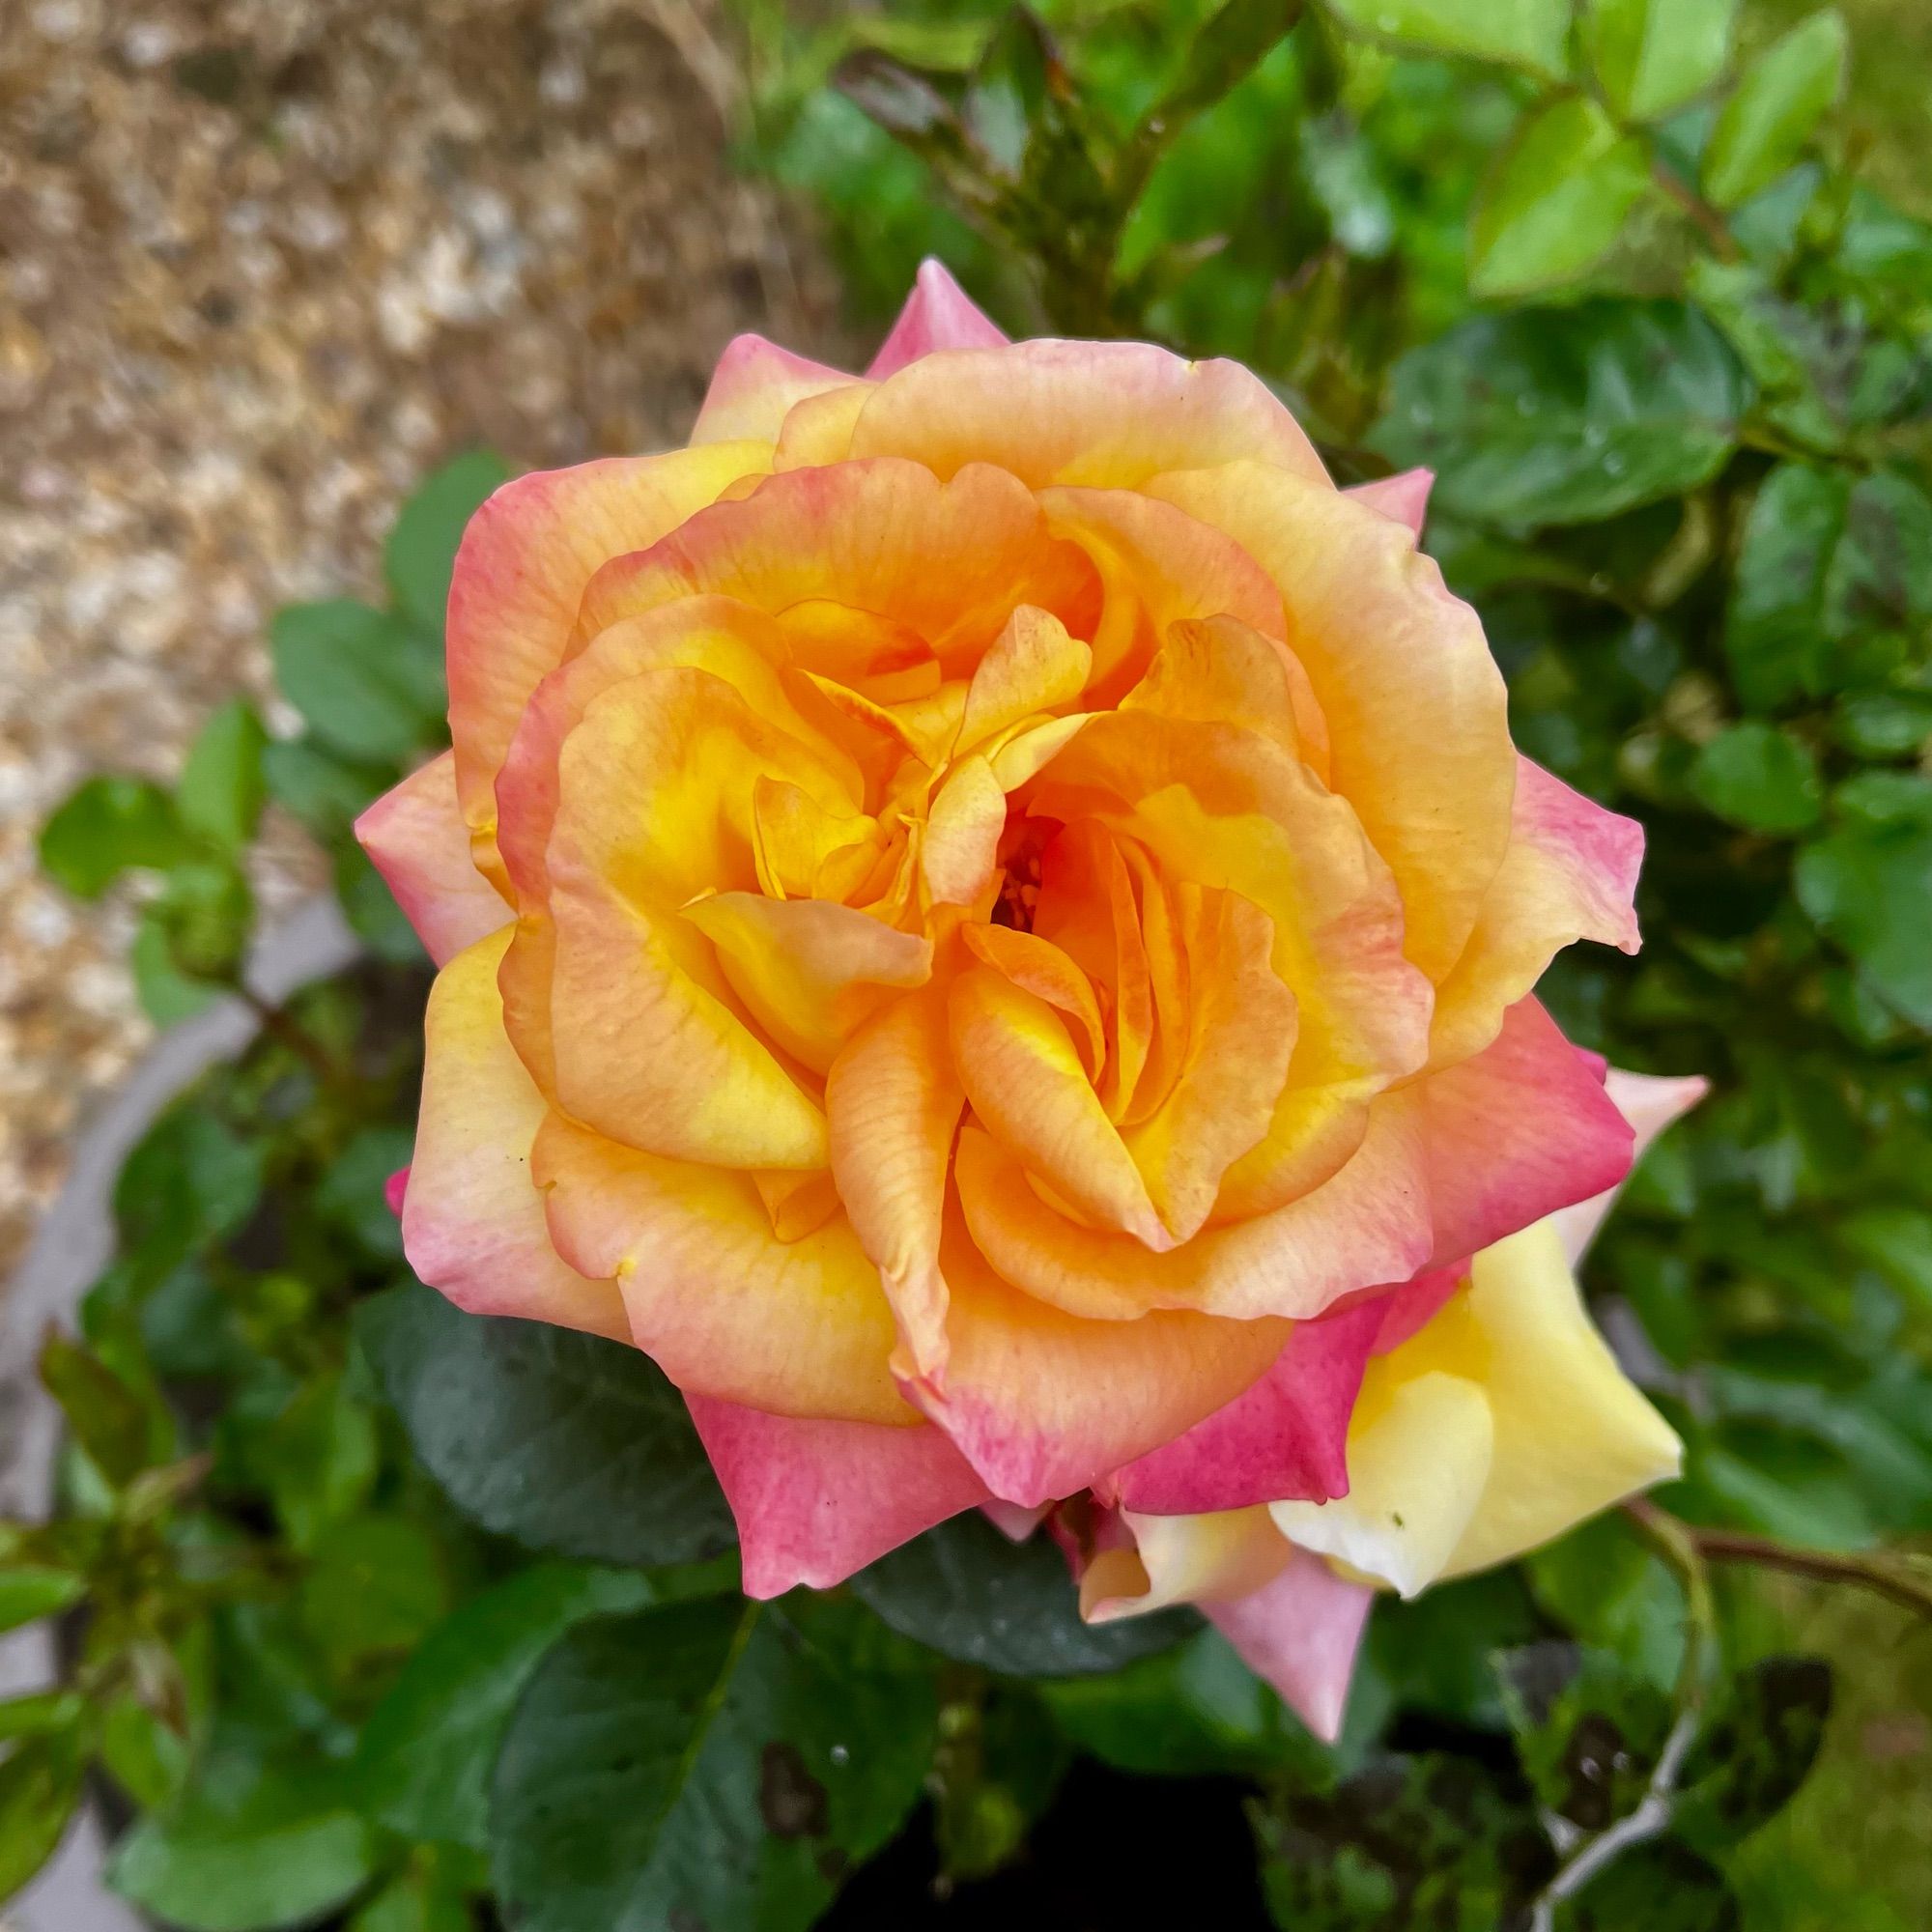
[(326, 792), (248, 1847), (40, 1712), (1757, 776), (1567, 415), (1588, 1733), (168, 996), (203, 914), (40, 1785), (1827, 560), (1755, 1755), (1530, 34), (1610, 1588), (1866, 886), (1652, 56), (565, 1441), (351, 1194), (423, 1764), (349, 671), (374, 1586), (106, 826), (190, 1182), (416, 1901), (1660, 1887), (316, 1455), (30, 1591), (147, 1759), (966, 1591), (220, 789), (421, 551), (704, 1764), (107, 1418), (1557, 200), (1783, 94)]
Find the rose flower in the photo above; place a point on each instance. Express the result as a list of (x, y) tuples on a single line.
[(974, 904)]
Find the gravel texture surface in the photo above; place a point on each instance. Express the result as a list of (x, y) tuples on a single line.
[(261, 265)]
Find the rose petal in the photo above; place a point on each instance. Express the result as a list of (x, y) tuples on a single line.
[(938, 314), (415, 838), (1650, 1104), (1404, 496), (755, 384), (816, 1500), (1300, 1634)]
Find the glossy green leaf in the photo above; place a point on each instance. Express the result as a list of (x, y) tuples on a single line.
[(1529, 34), (248, 1848), (40, 1785), (714, 1764), (565, 1441), (30, 1591), (421, 551), (1652, 56), (1567, 415), (1556, 201), (352, 673), (1757, 776), (423, 1763), (220, 789), (1772, 113), (966, 1591), (106, 827)]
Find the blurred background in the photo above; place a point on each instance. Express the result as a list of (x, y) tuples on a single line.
[(262, 268)]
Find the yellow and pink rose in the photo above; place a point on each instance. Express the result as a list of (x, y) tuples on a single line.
[(987, 915)]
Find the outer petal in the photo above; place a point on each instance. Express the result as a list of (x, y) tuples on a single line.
[(1650, 1104), (415, 838), (1570, 873), (1404, 497), (815, 1500), (754, 386), (472, 1219), (1180, 1559), (712, 1294), (521, 573), (1300, 1633), (1284, 1436), (1417, 715), (939, 314), (1107, 413), (1045, 1405), (1518, 1131)]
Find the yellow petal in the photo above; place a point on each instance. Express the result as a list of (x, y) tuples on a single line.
[(1033, 666)]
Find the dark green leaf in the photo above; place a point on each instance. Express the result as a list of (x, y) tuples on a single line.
[(1557, 200), (1660, 1887), (1867, 886), (1751, 1759), (40, 1785), (104, 827), (1526, 33), (248, 1847), (1769, 118), (1653, 55), (703, 1764), (107, 1418), (1588, 1733), (352, 673), (1567, 415), (30, 1591), (424, 1761), (220, 789), (968, 1592), (565, 1441), (421, 551), (1756, 776)]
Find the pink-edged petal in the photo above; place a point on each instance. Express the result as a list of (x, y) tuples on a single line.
[(472, 1218), (521, 573), (815, 1500), (1299, 1633), (415, 838), (1570, 873), (1523, 1129), (1284, 1436), (938, 314), (1409, 1309), (395, 1190), (1650, 1104), (1012, 1522), (1404, 496), (753, 386)]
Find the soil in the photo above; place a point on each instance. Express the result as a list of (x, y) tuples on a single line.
[(261, 266)]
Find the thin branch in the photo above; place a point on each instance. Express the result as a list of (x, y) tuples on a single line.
[(1716, 230)]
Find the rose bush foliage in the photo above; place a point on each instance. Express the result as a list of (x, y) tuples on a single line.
[(987, 917)]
